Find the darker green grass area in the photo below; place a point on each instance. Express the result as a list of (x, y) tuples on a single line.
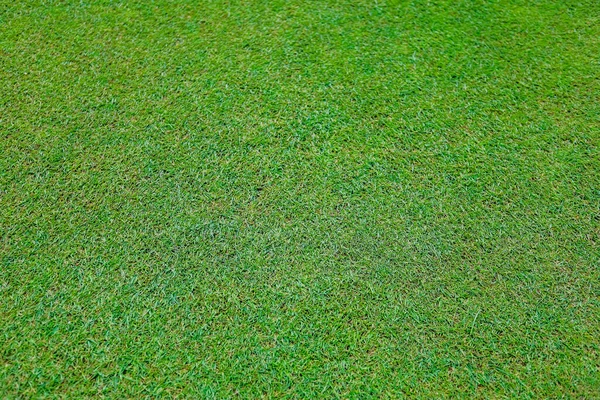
[(300, 199)]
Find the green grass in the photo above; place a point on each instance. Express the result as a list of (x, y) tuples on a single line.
[(300, 199)]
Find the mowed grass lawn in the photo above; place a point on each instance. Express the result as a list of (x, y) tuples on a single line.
[(300, 199)]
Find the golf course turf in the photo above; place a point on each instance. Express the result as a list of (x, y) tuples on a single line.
[(300, 199)]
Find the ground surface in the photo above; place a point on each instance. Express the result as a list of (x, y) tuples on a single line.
[(300, 198)]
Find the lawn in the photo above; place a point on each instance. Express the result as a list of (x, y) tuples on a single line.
[(300, 199)]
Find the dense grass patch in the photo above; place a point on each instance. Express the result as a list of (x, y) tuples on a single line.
[(300, 198)]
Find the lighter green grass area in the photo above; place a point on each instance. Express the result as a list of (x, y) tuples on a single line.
[(300, 199)]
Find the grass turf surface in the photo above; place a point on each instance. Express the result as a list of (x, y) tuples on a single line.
[(300, 198)]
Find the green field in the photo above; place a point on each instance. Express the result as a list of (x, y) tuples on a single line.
[(300, 199)]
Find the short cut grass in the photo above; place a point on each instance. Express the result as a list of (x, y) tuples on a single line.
[(300, 199)]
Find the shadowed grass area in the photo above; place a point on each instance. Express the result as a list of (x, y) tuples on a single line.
[(302, 199)]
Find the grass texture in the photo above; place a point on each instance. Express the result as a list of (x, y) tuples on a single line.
[(300, 199)]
